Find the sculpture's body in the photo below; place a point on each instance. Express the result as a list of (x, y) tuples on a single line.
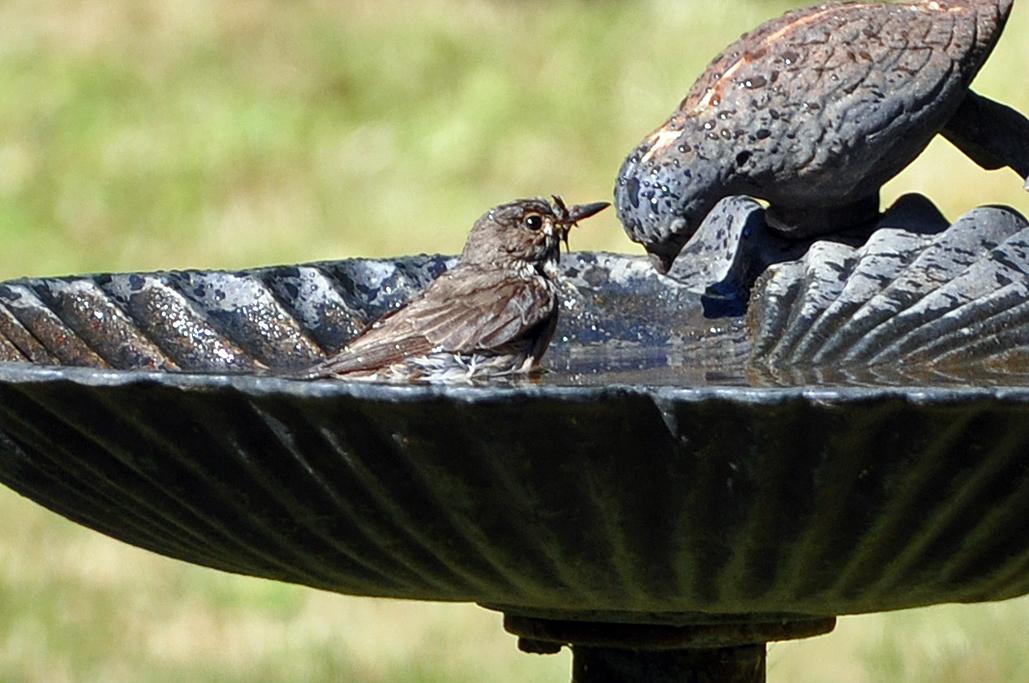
[(814, 112), (492, 314)]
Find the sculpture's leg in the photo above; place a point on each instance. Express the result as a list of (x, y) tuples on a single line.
[(993, 135), (803, 223), (744, 664)]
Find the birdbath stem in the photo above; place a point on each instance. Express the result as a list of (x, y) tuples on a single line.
[(743, 664), (713, 652)]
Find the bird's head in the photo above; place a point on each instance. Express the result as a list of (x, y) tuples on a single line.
[(524, 231), (664, 190)]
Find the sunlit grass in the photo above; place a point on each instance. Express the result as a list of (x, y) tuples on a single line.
[(140, 135), (137, 134)]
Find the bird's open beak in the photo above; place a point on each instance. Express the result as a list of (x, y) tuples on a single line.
[(580, 211), (569, 217)]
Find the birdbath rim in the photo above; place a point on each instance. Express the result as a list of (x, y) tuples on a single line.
[(919, 393)]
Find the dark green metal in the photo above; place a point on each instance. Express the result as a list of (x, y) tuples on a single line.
[(743, 664)]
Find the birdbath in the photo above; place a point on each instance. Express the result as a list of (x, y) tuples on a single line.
[(673, 494)]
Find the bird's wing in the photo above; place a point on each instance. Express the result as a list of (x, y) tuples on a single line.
[(466, 309)]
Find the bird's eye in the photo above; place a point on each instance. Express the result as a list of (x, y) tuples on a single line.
[(533, 222)]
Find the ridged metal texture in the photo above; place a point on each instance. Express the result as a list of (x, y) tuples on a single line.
[(282, 318), (203, 321), (615, 503), (901, 305)]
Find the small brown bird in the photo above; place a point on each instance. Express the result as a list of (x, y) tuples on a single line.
[(493, 314)]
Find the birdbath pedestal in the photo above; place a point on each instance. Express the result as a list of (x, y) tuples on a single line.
[(604, 652)]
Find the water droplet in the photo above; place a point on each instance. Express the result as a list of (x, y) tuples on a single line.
[(723, 115), (726, 133), (715, 101), (755, 82), (683, 148)]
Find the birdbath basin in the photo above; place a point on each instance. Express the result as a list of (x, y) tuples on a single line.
[(653, 501)]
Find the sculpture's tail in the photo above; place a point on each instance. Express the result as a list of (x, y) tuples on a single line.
[(990, 18), (993, 135), (1001, 7)]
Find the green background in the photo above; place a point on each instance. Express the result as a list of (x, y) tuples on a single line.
[(138, 134)]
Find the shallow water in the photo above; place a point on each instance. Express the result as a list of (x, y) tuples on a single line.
[(724, 362)]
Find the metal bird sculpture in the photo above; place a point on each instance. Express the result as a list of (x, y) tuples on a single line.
[(813, 112)]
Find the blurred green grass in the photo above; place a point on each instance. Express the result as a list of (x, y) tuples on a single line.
[(137, 135), (143, 135)]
